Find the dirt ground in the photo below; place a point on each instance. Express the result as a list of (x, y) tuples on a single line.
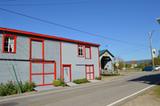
[(148, 98), (122, 74)]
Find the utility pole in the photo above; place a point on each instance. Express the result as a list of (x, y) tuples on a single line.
[(151, 49)]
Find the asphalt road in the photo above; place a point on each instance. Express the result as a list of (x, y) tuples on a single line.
[(99, 94)]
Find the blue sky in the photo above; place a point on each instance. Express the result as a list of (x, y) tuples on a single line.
[(124, 23)]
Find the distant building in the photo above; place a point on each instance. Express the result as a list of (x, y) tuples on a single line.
[(107, 61)]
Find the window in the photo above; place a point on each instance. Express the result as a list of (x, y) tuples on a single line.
[(9, 43), (80, 50), (88, 52)]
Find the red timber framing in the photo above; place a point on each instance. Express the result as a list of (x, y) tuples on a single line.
[(42, 62), (61, 68), (44, 36), (99, 63), (3, 42), (70, 71), (89, 72)]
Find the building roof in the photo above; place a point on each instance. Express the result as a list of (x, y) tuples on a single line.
[(32, 34), (105, 50)]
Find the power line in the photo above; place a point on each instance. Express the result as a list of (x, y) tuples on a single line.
[(46, 4), (7, 0), (68, 27)]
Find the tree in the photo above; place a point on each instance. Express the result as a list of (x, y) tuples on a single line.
[(157, 61), (128, 65), (121, 65)]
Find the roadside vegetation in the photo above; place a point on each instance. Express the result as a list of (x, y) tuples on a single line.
[(141, 66), (80, 81), (98, 78), (156, 91), (59, 83), (11, 88), (111, 74)]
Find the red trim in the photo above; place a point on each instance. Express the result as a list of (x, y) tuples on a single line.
[(43, 73), (47, 36), (90, 56), (70, 71), (49, 73), (30, 72), (90, 73), (99, 64), (61, 68), (15, 42), (43, 50), (41, 61), (55, 72), (43, 84), (30, 48), (38, 40)]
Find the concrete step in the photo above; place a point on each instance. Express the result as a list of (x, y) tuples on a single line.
[(43, 88), (71, 84), (94, 81)]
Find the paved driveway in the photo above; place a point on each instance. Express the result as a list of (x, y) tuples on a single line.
[(100, 94)]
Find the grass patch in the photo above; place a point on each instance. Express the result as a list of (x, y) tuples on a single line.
[(98, 78), (157, 90), (59, 83), (11, 88), (110, 74), (80, 81)]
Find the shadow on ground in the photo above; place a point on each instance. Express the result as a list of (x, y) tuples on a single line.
[(9, 104), (148, 79)]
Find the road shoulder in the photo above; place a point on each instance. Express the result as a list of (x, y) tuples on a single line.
[(148, 98)]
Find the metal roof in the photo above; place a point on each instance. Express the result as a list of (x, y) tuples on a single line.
[(32, 34), (105, 50)]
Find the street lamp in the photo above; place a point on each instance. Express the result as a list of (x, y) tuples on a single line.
[(158, 20)]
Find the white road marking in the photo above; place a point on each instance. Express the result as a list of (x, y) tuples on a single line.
[(57, 91), (120, 100)]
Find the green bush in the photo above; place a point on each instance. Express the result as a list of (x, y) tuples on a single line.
[(11, 88), (58, 83), (27, 87), (79, 81), (98, 78), (8, 89), (110, 74)]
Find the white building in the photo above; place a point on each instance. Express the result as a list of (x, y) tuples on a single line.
[(42, 58)]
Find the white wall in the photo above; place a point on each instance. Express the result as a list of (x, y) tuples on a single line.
[(70, 56)]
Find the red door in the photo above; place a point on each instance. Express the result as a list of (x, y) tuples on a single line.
[(90, 72)]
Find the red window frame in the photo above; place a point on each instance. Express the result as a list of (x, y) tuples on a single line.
[(89, 52), (15, 42), (83, 50), (38, 40)]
